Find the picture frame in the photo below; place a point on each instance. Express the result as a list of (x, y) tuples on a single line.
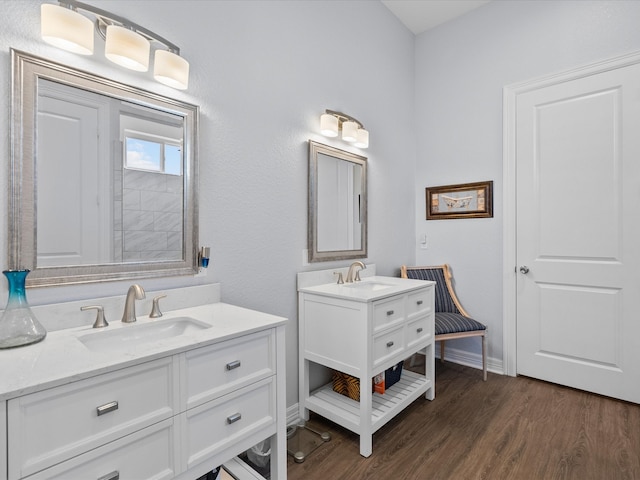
[(465, 200)]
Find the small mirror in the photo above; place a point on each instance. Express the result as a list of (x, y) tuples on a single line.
[(102, 178), (337, 204)]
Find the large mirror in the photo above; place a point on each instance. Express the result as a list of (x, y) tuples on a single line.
[(103, 178), (337, 204)]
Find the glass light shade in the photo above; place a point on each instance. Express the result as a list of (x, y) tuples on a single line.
[(66, 29), (171, 69), (349, 131), (362, 138), (127, 48), (328, 125)]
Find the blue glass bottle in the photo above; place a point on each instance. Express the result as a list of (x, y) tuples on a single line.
[(18, 325)]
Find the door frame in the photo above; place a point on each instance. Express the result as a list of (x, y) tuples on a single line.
[(509, 241)]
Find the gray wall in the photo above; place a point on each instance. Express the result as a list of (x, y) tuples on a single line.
[(262, 73), (461, 69)]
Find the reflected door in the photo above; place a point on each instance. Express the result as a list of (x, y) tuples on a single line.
[(339, 194), (578, 204), (72, 224)]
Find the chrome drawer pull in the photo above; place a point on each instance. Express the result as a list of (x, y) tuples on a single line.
[(419, 330), (232, 365), (419, 302), (389, 344), (390, 312), (234, 418), (106, 408), (111, 476)]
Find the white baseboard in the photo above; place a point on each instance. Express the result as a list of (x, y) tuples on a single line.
[(468, 359)]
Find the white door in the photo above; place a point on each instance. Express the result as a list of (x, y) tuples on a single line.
[(578, 233)]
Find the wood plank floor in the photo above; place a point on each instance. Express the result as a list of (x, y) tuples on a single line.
[(505, 428)]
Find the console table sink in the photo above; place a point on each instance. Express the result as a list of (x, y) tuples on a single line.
[(362, 329)]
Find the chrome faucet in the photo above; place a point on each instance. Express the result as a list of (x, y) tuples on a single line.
[(353, 275), (136, 292)]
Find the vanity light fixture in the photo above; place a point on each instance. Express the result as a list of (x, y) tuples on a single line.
[(331, 122), (126, 43)]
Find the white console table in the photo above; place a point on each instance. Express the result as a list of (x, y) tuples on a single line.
[(363, 329)]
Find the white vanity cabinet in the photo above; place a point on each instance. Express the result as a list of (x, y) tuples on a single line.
[(363, 330), (175, 415)]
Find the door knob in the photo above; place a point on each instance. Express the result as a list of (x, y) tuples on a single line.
[(524, 269)]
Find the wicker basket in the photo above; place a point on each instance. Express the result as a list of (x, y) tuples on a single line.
[(346, 385), (349, 386)]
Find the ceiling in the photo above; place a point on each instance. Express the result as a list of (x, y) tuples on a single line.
[(422, 15)]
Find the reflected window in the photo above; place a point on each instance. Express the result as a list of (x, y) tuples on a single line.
[(152, 154)]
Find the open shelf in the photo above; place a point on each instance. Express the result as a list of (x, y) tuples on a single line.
[(346, 412)]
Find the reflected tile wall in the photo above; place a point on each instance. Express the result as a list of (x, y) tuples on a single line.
[(151, 224)]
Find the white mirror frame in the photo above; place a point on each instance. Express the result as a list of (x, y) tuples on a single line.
[(27, 69), (316, 255)]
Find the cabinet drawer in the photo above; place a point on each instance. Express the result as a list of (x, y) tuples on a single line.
[(221, 368), (53, 425), (387, 345), (228, 421), (420, 302), (148, 453), (419, 330), (387, 312)]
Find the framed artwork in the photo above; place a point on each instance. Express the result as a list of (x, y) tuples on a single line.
[(467, 200)]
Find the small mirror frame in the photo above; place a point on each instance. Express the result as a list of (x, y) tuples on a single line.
[(27, 69), (316, 148)]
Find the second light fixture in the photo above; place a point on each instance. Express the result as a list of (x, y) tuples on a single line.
[(331, 122)]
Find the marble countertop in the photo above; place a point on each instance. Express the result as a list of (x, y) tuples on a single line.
[(62, 357), (368, 289)]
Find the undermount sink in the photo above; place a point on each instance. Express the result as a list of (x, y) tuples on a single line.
[(369, 286), (132, 335)]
